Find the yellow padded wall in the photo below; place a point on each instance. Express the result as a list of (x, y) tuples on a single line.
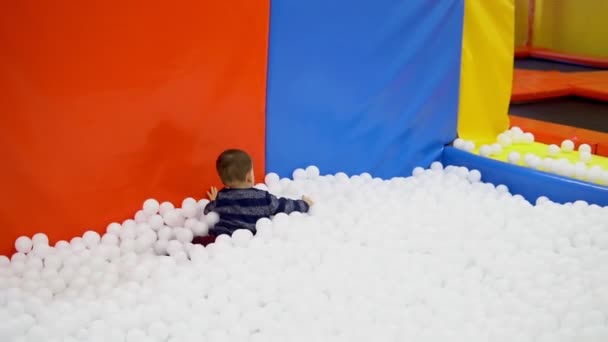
[(487, 69), (579, 27), (521, 22)]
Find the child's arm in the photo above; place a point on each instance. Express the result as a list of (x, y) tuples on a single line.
[(212, 203), (287, 206)]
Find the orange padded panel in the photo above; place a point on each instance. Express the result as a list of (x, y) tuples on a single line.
[(535, 85), (107, 103)]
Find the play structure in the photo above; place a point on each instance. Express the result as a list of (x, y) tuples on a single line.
[(108, 107), (560, 81)]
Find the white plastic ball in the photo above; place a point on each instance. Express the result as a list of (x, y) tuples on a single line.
[(174, 246), (183, 235), (312, 172), (585, 156), (40, 238), (160, 247), (188, 201), (114, 228), (417, 171), (151, 207), (271, 179), (459, 143), (242, 237), (469, 146), (580, 171), (548, 164), (541, 200), (143, 228), (299, 174), (127, 246), (200, 229), (518, 137), (91, 239), (528, 138), (341, 176), (62, 245), (57, 285), (474, 176), (584, 148), (513, 157), (594, 174), (109, 239), (604, 177), (569, 170), (180, 256), (156, 222), (496, 149), (23, 244), (190, 223), (504, 140), (4, 261), (41, 250), (502, 189), (532, 160), (567, 145), (18, 258), (189, 208), (165, 233), (34, 263), (140, 216), (212, 218), (485, 150), (143, 244), (516, 129), (436, 166), (165, 207), (198, 253), (553, 150), (52, 262), (172, 218), (127, 233)]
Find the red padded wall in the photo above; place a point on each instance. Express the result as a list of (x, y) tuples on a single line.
[(106, 103)]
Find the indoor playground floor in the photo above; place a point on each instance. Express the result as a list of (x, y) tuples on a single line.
[(558, 97), (572, 111)]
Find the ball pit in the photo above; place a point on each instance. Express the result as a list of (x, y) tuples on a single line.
[(436, 256)]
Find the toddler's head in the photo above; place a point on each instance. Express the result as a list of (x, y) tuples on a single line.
[(235, 169)]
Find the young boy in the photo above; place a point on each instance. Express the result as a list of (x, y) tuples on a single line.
[(239, 204)]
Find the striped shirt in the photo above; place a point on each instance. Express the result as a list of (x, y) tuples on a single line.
[(242, 208)]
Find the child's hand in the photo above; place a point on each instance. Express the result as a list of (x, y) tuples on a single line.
[(308, 200), (212, 193)]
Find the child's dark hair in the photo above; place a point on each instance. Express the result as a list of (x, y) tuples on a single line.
[(233, 166)]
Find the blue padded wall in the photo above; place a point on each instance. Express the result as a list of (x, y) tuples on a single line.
[(362, 86), (529, 183)]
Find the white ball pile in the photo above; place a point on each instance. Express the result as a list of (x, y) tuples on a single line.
[(514, 135), (465, 145), (579, 170), (439, 256), (561, 166)]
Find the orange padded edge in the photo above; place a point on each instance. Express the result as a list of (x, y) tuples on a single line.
[(551, 133), (590, 84), (522, 52), (598, 62), (536, 85), (531, 85)]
